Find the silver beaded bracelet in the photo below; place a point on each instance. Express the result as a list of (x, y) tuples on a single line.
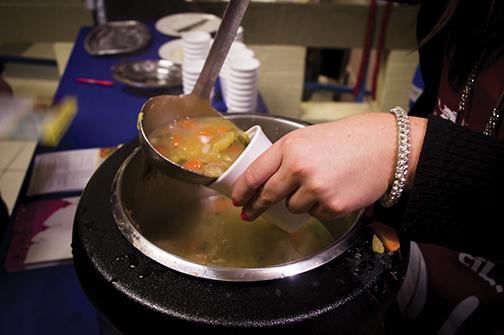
[(392, 196)]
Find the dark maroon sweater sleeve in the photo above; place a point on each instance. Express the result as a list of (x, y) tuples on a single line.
[(457, 198)]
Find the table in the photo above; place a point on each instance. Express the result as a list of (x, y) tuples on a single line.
[(50, 300)]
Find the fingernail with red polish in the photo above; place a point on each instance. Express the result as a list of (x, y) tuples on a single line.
[(235, 203), (244, 217)]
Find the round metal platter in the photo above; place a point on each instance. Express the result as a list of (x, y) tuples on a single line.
[(148, 74), (117, 37)]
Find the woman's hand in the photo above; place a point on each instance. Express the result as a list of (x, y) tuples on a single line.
[(329, 169)]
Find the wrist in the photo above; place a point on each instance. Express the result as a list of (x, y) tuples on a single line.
[(401, 169)]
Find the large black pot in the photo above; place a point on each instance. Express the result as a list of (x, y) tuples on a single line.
[(346, 294)]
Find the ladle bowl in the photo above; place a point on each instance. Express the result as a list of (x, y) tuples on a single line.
[(162, 110)]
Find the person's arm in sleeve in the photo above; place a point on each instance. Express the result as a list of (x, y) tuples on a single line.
[(456, 198)]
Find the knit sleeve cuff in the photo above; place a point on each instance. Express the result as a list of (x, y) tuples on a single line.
[(457, 190)]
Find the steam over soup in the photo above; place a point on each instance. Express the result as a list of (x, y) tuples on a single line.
[(204, 145)]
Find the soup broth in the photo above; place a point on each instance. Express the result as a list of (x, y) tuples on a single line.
[(215, 235), (204, 145)]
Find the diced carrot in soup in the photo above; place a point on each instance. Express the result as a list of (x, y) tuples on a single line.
[(193, 165), (207, 131)]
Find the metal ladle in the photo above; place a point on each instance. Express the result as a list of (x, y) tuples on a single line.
[(161, 110)]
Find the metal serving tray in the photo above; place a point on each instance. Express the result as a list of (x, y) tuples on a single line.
[(148, 74), (117, 37)]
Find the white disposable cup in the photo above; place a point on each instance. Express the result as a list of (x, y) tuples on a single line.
[(237, 108), (189, 80), (242, 77), (193, 66), (248, 98), (239, 51), (248, 103), (242, 104), (196, 53), (242, 94), (189, 75), (241, 90), (195, 44), (238, 55), (194, 71), (240, 82), (193, 57), (240, 110), (236, 45), (196, 37), (196, 47), (277, 214), (188, 84), (242, 99), (244, 65)]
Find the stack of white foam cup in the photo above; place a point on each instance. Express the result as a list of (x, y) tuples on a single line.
[(241, 85), (238, 50), (196, 45)]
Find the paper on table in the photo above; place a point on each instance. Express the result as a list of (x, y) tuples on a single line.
[(65, 171), (42, 234)]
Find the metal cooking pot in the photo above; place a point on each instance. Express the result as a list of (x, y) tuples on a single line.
[(140, 287), (147, 204)]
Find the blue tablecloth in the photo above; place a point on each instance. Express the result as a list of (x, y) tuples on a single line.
[(50, 300)]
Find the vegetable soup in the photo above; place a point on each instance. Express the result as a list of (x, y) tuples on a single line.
[(215, 235), (204, 145)]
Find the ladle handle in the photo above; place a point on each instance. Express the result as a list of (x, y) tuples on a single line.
[(220, 47)]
